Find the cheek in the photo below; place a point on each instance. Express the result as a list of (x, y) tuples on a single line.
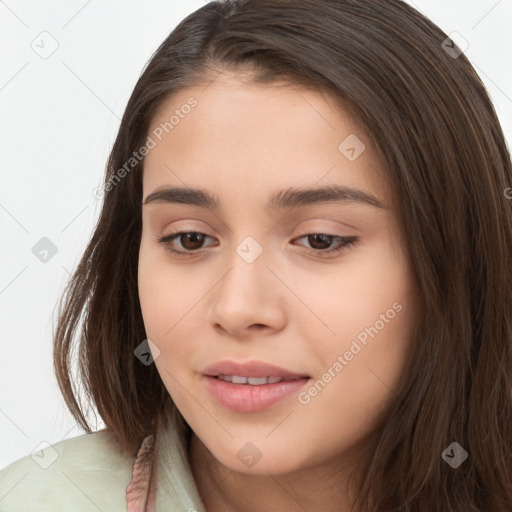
[(372, 313), (151, 286), (170, 304), (355, 396), (373, 291), (157, 293), (167, 314), (371, 343), (160, 287)]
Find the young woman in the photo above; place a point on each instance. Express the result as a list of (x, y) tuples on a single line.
[(297, 296)]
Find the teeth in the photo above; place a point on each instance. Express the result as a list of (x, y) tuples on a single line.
[(254, 381), (257, 381), (227, 378)]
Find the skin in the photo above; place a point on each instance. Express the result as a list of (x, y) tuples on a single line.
[(290, 307)]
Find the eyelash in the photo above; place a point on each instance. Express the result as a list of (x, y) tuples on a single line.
[(346, 243)]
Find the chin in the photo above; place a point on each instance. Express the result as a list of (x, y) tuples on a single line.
[(258, 457)]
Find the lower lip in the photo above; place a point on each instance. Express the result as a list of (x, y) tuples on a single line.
[(249, 398)]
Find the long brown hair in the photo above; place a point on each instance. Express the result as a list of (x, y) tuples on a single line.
[(437, 132)]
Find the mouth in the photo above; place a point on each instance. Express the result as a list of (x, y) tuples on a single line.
[(253, 381), (250, 372), (251, 387)]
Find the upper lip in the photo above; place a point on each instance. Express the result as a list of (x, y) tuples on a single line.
[(250, 369)]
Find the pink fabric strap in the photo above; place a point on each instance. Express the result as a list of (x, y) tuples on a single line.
[(137, 489)]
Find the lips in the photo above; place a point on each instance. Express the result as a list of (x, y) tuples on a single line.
[(253, 386), (251, 369)]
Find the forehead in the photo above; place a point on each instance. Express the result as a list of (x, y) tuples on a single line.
[(258, 137)]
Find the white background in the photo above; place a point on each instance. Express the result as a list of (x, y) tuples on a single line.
[(59, 117)]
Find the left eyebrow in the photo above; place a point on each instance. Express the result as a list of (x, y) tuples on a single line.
[(284, 199)]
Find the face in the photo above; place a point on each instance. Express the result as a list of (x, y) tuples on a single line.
[(314, 292)]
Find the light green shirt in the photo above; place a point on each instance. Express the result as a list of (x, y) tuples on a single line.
[(87, 474)]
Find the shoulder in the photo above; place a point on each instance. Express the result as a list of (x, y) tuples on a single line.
[(81, 474)]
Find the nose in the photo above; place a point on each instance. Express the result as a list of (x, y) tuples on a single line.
[(249, 299)]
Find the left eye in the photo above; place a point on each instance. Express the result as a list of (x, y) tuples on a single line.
[(344, 242), (192, 242)]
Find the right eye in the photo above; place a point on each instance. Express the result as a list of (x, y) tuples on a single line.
[(190, 244)]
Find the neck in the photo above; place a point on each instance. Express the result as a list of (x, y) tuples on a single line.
[(323, 487)]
